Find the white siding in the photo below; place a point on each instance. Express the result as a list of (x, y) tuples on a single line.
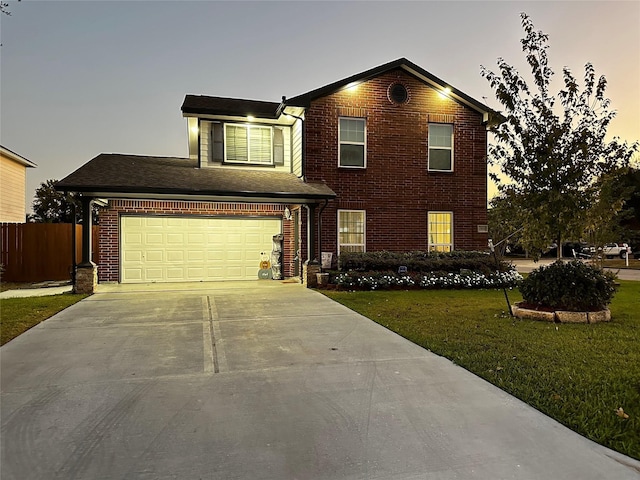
[(296, 148), (12, 191), (205, 137)]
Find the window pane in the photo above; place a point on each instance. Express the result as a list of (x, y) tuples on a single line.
[(440, 135), (351, 130), (440, 231), (237, 147), (439, 159), (260, 145), (352, 248), (351, 236), (352, 155)]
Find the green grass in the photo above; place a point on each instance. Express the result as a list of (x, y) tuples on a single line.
[(578, 374), (17, 315)]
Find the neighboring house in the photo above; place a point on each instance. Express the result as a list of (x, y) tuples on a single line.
[(13, 186), (389, 159)]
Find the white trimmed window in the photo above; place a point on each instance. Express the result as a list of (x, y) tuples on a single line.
[(440, 231), (248, 144), (352, 138), (441, 147), (351, 231)]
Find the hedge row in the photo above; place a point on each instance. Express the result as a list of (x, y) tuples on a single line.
[(420, 262), (433, 280)]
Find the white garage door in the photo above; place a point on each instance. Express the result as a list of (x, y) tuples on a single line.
[(192, 248)]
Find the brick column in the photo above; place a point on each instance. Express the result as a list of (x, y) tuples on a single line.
[(86, 278), (309, 271)]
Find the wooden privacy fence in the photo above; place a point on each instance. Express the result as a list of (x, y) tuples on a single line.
[(36, 252)]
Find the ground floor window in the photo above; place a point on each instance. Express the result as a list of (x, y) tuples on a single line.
[(440, 231), (351, 230)]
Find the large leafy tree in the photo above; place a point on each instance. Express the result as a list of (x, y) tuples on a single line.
[(552, 147), (52, 206)]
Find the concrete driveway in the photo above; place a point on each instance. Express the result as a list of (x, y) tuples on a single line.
[(261, 380)]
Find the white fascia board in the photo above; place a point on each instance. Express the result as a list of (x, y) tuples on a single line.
[(282, 120), (17, 158)]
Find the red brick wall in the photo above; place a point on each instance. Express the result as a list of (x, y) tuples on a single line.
[(108, 268), (396, 189)]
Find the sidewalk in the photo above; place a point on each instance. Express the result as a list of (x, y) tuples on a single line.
[(36, 291)]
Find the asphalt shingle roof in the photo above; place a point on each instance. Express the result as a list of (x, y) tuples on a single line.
[(202, 104), (135, 174)]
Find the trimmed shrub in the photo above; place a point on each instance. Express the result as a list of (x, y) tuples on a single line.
[(432, 280), (572, 286), (420, 262)]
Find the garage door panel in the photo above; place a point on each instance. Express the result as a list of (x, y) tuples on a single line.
[(173, 248), (153, 239), (154, 256), (152, 274), (151, 222), (196, 256), (175, 256), (175, 238)]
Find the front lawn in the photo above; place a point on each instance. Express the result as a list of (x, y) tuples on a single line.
[(17, 315), (578, 374)]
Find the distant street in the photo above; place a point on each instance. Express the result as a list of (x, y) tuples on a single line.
[(526, 265)]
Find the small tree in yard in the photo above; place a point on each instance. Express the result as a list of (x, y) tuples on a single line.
[(52, 206), (551, 148)]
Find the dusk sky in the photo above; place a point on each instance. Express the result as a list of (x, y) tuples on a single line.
[(79, 78)]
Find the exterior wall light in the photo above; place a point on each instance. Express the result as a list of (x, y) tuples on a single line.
[(352, 87), (445, 92), (287, 213)]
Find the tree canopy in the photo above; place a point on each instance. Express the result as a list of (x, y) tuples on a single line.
[(552, 148), (52, 206)]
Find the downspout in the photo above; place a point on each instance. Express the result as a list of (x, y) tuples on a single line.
[(326, 202)]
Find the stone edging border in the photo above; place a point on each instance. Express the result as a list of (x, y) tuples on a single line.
[(562, 316)]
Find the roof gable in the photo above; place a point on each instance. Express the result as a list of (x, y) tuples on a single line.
[(305, 99)]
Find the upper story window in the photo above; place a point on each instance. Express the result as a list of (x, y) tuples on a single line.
[(250, 144), (441, 147), (352, 142)]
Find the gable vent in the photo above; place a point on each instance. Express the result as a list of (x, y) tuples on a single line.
[(398, 93)]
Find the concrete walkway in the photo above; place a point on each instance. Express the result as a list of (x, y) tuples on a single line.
[(261, 380), (36, 292)]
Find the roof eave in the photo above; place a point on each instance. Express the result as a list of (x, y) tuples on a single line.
[(253, 196), (17, 158)]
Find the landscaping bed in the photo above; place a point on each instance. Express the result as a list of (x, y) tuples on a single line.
[(420, 270)]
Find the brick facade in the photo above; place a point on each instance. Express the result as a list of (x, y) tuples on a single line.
[(395, 189), (109, 270)]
